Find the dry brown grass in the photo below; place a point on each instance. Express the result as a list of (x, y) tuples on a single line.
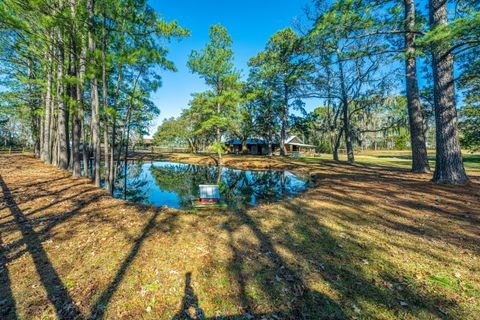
[(367, 242)]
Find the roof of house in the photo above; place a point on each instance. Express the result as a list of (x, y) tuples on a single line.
[(300, 144), (249, 141), (289, 139)]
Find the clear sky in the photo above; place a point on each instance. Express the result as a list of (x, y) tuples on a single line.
[(250, 23)]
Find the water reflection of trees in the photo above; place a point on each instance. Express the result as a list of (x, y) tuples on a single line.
[(183, 179), (131, 183), (239, 188)]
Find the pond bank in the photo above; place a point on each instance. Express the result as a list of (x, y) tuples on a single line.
[(365, 242), (243, 162)]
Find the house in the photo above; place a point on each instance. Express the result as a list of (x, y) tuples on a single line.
[(254, 146), (293, 145), (147, 142)]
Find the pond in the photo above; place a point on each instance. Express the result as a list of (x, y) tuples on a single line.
[(176, 184)]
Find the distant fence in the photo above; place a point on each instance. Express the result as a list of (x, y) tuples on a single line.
[(156, 149), (12, 150)]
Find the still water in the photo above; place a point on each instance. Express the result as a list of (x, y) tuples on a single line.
[(176, 184)]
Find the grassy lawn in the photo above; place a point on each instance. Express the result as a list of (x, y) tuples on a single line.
[(402, 159), (369, 241)]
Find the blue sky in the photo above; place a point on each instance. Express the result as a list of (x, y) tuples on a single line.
[(249, 22)]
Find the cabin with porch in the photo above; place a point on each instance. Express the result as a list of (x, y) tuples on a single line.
[(257, 146)]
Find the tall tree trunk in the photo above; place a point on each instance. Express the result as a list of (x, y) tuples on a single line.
[(449, 163), (52, 127), (192, 146), (55, 143), (330, 125), (283, 129), (80, 99), (244, 145), (415, 117), (219, 138), (336, 145), (62, 110), (126, 161), (270, 142), (76, 128), (346, 117), (104, 100), (42, 129), (125, 128), (76, 134), (85, 148), (47, 149), (70, 115), (113, 165), (33, 107), (94, 95), (75, 93)]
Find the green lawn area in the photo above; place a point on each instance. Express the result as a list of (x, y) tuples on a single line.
[(402, 159)]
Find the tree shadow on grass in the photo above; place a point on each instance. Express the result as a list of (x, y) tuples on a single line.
[(339, 260), (267, 280), (98, 310), (57, 293), (342, 260), (281, 284), (8, 308)]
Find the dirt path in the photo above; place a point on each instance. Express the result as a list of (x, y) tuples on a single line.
[(366, 242)]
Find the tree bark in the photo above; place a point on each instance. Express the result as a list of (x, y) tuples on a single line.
[(96, 141), (75, 93), (219, 137), (270, 143), (415, 117), (346, 117), (52, 125), (283, 129), (33, 108), (333, 141), (55, 143), (62, 110), (449, 163), (104, 100), (244, 146), (47, 149), (111, 175), (76, 129), (336, 145), (81, 102)]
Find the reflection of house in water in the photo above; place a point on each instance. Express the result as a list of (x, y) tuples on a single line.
[(293, 144)]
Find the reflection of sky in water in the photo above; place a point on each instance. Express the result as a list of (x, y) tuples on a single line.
[(175, 184)]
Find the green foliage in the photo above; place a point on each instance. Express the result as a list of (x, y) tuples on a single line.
[(135, 46), (401, 141), (470, 126), (214, 64), (470, 113), (283, 66)]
